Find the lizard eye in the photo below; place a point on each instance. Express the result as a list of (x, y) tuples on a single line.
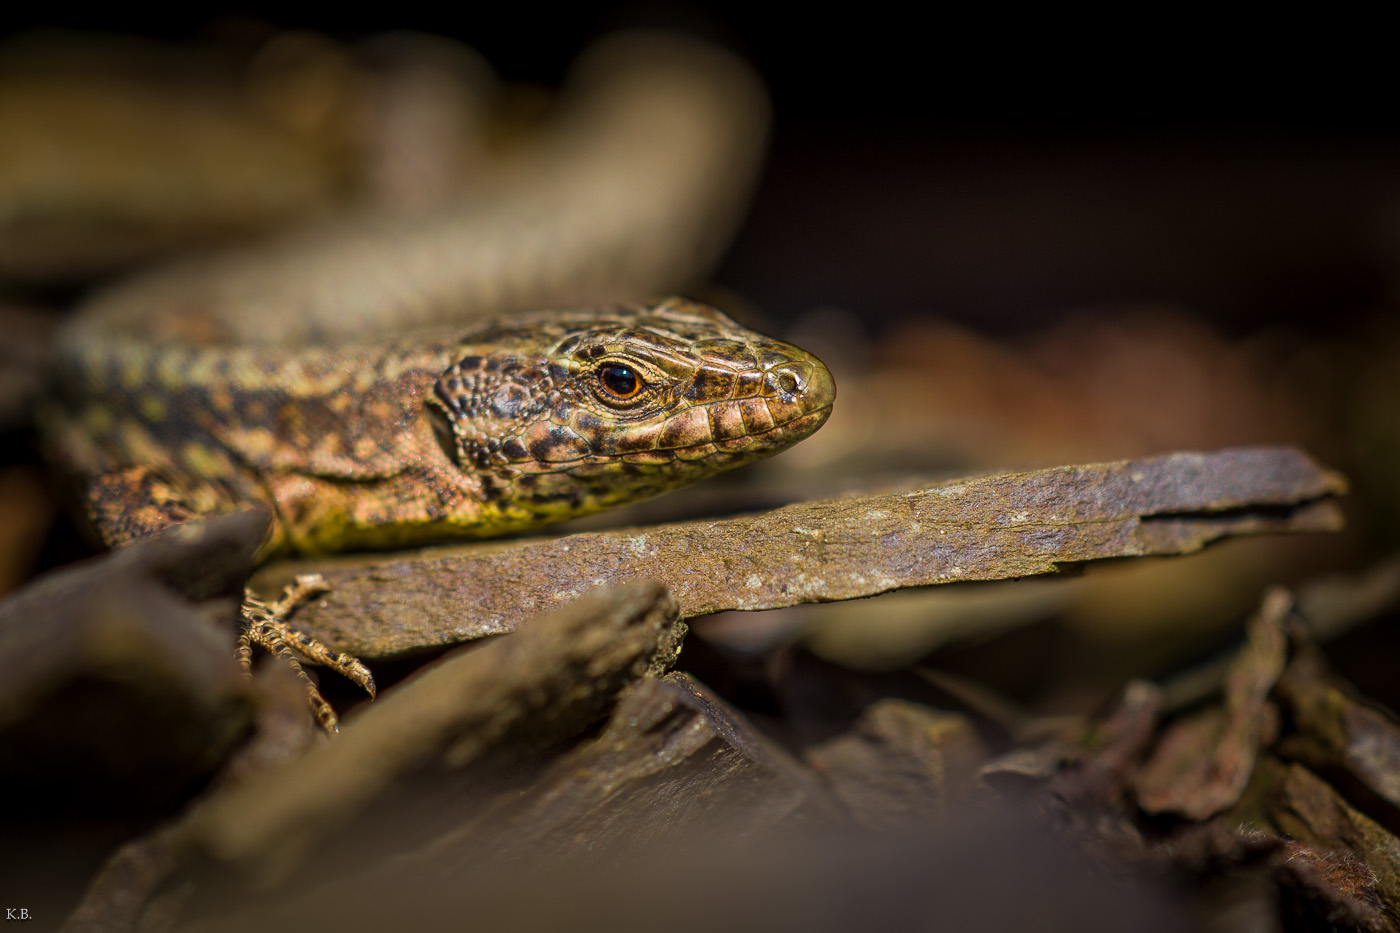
[(620, 380)]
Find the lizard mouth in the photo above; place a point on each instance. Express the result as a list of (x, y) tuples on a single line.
[(722, 454), (778, 437)]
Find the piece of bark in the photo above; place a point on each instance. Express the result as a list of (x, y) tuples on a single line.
[(986, 528), (120, 683), (1202, 764), (674, 762), (547, 683), (121, 894), (130, 891), (1101, 776), (1310, 811), (1021, 771), (674, 771), (1330, 889), (1088, 776), (1337, 735), (902, 764)]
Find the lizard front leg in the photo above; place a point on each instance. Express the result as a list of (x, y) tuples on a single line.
[(128, 504), (267, 627)]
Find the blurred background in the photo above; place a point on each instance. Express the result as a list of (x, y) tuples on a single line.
[(997, 171)]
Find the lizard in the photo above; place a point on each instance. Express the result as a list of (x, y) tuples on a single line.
[(299, 377)]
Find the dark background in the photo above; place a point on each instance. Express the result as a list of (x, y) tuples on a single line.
[(1001, 167)]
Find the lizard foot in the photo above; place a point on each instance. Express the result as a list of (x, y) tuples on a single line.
[(266, 626)]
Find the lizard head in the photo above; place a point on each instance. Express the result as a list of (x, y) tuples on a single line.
[(563, 414)]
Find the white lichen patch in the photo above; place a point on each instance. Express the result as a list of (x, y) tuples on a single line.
[(947, 492)]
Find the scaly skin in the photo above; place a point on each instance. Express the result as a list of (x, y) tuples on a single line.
[(248, 379), (506, 427)]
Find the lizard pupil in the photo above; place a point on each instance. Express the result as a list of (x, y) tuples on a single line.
[(620, 380)]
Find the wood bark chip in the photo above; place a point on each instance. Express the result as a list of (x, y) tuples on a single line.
[(547, 684), (901, 765), (1202, 764), (1100, 769), (1352, 741), (987, 528), (119, 687), (673, 762), (1307, 809)]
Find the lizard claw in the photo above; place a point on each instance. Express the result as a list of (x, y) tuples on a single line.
[(266, 626)]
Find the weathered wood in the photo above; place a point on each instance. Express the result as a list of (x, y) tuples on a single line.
[(987, 528)]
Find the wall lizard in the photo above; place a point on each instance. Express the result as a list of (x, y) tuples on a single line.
[(316, 376)]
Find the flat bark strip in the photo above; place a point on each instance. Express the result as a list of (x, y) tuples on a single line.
[(987, 528)]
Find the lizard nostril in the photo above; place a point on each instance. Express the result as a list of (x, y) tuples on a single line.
[(804, 382)]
